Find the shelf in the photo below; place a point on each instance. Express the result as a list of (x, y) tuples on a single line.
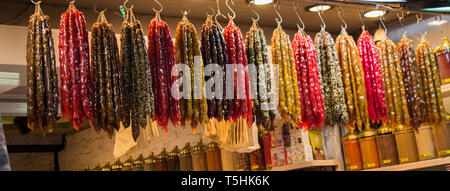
[(307, 164), (414, 165)]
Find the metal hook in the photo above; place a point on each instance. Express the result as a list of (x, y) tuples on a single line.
[(253, 10), (39, 2), (207, 13), (323, 22), (160, 6), (340, 13), (362, 22), (419, 18), (298, 16), (382, 23), (95, 7), (184, 13), (218, 13), (234, 14), (125, 4), (280, 19)]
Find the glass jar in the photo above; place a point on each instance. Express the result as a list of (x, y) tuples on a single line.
[(150, 163), (443, 59), (97, 167), (425, 142), (213, 158), (161, 161), (352, 151), (173, 161), (387, 149), (267, 145), (368, 146), (127, 165), (117, 166), (227, 159), (107, 167), (186, 158), (138, 164), (406, 145), (257, 157), (241, 161), (199, 157), (442, 138)]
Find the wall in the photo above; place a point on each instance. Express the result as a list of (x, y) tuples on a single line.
[(32, 161), (89, 147)]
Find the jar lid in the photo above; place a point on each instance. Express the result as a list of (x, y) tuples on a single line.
[(128, 163), (97, 167), (368, 132), (162, 155), (199, 146), (186, 149), (212, 146), (107, 167), (150, 159), (139, 160), (384, 130), (351, 136), (175, 152), (117, 165)]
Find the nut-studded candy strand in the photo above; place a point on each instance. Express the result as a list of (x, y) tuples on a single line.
[(330, 77)]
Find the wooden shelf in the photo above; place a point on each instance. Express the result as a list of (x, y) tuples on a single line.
[(307, 164), (414, 165)]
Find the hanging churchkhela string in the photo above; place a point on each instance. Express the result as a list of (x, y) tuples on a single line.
[(312, 102), (431, 83), (331, 80), (372, 78), (241, 106), (256, 49), (162, 61), (412, 80), (353, 80), (289, 105), (76, 88), (106, 76), (394, 87), (42, 79), (213, 49), (137, 102), (194, 109)]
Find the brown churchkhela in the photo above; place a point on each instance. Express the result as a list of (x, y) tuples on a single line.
[(213, 49), (431, 83), (106, 73), (137, 99), (194, 109), (76, 77), (256, 49), (413, 82), (42, 79)]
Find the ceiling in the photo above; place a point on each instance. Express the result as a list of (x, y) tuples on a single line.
[(172, 9)]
